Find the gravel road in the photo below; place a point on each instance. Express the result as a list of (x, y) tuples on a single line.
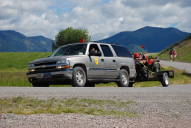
[(178, 65), (157, 107)]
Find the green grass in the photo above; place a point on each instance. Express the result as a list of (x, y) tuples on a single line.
[(20, 79), (20, 105), (18, 61), (183, 51), (13, 79), (13, 68)]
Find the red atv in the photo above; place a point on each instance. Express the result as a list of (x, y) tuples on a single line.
[(149, 69)]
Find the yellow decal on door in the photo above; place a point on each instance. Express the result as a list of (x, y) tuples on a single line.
[(96, 60)]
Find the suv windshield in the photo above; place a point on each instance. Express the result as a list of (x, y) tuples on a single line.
[(74, 49)]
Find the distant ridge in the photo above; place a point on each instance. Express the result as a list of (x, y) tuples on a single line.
[(13, 41), (183, 51), (154, 39)]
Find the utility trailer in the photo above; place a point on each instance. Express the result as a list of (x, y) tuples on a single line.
[(149, 69)]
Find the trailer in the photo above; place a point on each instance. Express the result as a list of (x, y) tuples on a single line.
[(149, 69)]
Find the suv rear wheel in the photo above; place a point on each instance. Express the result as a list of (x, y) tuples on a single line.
[(79, 77), (124, 78)]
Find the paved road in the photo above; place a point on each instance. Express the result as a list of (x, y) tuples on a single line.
[(148, 94), (178, 65)]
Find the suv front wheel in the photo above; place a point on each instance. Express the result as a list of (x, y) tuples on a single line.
[(79, 77), (123, 78)]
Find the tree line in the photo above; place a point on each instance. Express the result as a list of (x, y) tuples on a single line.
[(70, 35)]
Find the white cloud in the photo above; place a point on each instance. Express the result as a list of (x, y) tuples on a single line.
[(47, 17)]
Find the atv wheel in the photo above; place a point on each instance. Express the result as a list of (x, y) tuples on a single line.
[(156, 67)]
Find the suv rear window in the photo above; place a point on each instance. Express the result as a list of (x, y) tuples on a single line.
[(121, 51), (106, 51)]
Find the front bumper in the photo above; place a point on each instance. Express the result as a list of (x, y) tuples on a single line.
[(53, 76)]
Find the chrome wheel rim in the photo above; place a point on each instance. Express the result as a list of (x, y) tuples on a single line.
[(80, 78), (166, 80), (124, 79)]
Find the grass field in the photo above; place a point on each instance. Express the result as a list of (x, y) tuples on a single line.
[(18, 61), (21, 105), (183, 51), (13, 68)]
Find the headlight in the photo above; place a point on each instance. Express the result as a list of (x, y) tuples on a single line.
[(63, 64), (31, 70), (31, 65)]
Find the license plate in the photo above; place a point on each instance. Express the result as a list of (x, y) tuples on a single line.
[(43, 75), (40, 75), (47, 75)]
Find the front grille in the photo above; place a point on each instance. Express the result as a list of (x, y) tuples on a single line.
[(45, 63), (45, 66)]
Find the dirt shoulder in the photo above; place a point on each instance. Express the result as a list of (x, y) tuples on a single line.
[(89, 121)]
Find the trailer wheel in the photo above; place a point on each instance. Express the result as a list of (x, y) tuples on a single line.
[(164, 80)]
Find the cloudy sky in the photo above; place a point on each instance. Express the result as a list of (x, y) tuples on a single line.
[(102, 18)]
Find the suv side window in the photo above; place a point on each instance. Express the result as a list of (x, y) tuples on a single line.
[(93, 49), (106, 51), (121, 51)]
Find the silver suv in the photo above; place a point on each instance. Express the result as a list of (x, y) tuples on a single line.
[(84, 65)]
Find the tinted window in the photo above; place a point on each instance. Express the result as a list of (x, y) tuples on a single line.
[(121, 51), (106, 51), (94, 48)]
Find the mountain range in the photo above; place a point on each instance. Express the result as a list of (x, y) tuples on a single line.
[(154, 39), (12, 41)]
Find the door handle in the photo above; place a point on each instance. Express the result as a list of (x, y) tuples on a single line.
[(114, 60)]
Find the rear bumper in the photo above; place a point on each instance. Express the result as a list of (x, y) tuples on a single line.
[(51, 77)]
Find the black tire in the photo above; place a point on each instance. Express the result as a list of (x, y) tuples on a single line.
[(90, 84), (130, 84), (79, 77), (38, 84), (156, 67), (164, 80), (124, 78)]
